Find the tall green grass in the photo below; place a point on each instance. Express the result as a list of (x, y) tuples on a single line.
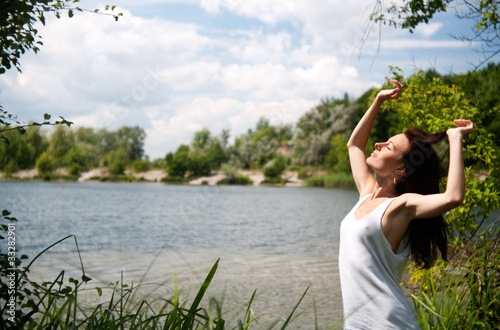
[(464, 294), (58, 304)]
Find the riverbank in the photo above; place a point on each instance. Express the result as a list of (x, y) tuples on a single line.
[(291, 177)]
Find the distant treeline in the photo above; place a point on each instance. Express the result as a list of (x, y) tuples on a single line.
[(317, 141)]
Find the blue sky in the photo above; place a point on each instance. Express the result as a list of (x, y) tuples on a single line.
[(175, 67)]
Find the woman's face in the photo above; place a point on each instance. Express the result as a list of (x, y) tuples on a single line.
[(387, 156)]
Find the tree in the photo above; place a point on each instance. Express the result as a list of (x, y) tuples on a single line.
[(411, 13), (337, 158), (45, 164), (179, 163), (60, 142), (17, 26), (315, 129)]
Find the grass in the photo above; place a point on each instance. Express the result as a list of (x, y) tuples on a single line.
[(58, 304), (464, 294), (273, 181)]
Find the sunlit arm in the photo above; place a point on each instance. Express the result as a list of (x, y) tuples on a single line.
[(433, 205), (359, 138), (357, 146)]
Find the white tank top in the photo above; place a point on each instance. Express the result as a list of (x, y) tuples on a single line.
[(370, 274)]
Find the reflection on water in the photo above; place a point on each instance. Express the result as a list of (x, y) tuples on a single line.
[(276, 240)]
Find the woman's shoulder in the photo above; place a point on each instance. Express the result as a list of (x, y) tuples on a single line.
[(399, 207)]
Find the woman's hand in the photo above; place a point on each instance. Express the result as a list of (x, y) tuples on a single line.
[(391, 94), (464, 128)]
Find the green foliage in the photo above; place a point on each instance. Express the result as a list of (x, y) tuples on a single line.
[(411, 13), (431, 104), (483, 14), (482, 87), (141, 165), (45, 164), (465, 295), (273, 181), (179, 164), (337, 158), (275, 167), (232, 176), (333, 180), (117, 167), (315, 129), (199, 164)]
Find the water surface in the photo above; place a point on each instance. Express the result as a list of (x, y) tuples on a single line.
[(273, 239)]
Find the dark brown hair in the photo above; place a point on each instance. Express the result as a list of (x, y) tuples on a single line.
[(423, 175)]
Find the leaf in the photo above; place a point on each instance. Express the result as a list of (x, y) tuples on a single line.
[(99, 291), (5, 213), (46, 116), (5, 140)]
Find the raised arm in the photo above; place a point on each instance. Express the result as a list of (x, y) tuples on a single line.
[(427, 206), (359, 138)]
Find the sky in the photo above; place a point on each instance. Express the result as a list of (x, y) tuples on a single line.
[(174, 67)]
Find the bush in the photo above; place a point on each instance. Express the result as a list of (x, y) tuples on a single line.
[(315, 181), (237, 180), (45, 164), (340, 180), (179, 164), (334, 180), (140, 165), (275, 167), (117, 167), (74, 170)]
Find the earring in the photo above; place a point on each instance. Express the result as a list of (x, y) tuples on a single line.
[(394, 180)]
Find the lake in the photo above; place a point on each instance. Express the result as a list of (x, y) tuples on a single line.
[(276, 240)]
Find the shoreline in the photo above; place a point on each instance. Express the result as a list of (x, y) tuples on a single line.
[(153, 176)]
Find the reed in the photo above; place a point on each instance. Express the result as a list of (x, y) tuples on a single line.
[(465, 293), (58, 304)]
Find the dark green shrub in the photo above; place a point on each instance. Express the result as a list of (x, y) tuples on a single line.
[(140, 165), (274, 168), (117, 167)]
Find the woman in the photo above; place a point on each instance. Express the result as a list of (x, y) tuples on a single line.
[(399, 214)]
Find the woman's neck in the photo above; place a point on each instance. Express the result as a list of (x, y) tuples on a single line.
[(384, 187)]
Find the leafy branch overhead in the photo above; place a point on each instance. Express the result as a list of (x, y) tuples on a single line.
[(18, 19), (408, 14), (9, 122)]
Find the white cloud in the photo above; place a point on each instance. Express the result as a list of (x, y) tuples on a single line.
[(427, 30), (167, 133), (173, 78)]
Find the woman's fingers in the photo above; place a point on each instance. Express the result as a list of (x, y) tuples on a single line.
[(463, 122), (465, 126)]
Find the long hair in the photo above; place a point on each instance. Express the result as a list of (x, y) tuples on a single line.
[(423, 175)]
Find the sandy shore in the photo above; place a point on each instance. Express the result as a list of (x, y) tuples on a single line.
[(156, 175)]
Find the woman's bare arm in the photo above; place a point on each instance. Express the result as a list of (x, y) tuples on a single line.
[(359, 138), (427, 206)]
